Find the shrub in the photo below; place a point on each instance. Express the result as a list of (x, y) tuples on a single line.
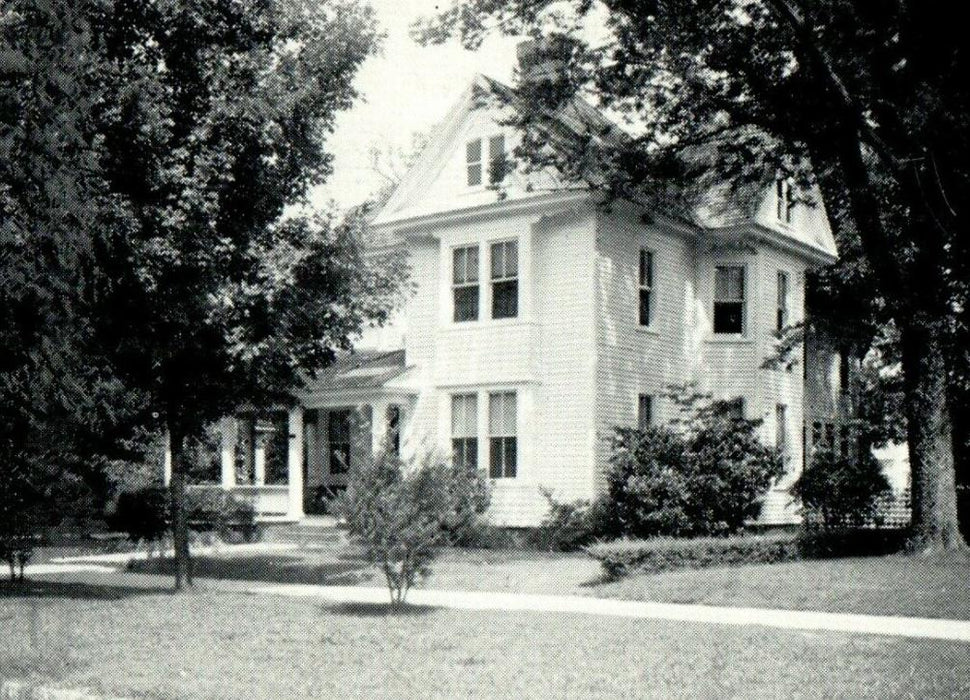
[(568, 527), (401, 512), (839, 492), (215, 510), (704, 478), (142, 514), (668, 553)]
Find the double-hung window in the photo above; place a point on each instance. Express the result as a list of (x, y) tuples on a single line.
[(465, 283), (646, 288), (496, 159), (784, 201), (464, 430), (644, 411), (505, 279), (729, 299), (502, 435), (473, 162), (781, 316), (781, 432)]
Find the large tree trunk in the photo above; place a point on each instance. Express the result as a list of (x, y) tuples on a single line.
[(935, 523), (180, 519)]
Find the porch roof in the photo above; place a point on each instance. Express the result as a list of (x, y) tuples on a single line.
[(362, 369)]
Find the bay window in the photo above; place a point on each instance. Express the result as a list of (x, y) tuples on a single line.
[(465, 283), (464, 430)]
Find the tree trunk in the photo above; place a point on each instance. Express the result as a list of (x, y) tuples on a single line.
[(930, 435), (180, 520)]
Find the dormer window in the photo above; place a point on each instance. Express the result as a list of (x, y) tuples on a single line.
[(478, 167), (784, 202)]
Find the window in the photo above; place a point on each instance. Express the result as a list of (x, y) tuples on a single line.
[(338, 435), (729, 300), (394, 429), (646, 287), (464, 430), (781, 320), (781, 432), (505, 282), (465, 283), (784, 202), (473, 162), (501, 432), (644, 411), (496, 158)]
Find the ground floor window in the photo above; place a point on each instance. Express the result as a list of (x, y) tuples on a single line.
[(503, 445), (464, 430), (338, 434)]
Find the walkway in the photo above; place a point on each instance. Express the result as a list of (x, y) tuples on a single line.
[(953, 630)]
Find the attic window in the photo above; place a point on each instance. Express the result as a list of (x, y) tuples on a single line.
[(473, 161), (784, 202)]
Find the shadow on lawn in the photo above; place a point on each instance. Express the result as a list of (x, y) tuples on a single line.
[(379, 609), (70, 590), (269, 568)]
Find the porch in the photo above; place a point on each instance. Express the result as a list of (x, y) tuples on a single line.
[(289, 463)]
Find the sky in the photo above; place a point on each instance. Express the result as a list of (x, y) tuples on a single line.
[(406, 89)]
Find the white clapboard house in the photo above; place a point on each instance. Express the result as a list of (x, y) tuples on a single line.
[(538, 322)]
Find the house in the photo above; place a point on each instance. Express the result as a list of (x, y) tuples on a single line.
[(539, 321)]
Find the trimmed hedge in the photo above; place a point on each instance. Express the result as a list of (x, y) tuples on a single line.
[(667, 554)]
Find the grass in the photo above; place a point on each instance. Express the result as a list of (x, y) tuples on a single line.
[(891, 585), (132, 639)]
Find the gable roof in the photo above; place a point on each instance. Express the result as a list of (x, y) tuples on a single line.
[(362, 369)]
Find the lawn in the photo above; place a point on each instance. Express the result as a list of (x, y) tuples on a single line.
[(892, 585), (132, 639)]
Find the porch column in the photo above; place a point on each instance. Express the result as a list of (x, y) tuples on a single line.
[(167, 461), (228, 430), (378, 424), (294, 464)]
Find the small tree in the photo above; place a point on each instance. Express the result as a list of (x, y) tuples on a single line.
[(838, 491), (403, 511), (705, 475)]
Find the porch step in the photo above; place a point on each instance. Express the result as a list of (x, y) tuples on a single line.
[(313, 530)]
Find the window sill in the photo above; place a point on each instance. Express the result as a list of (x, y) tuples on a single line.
[(648, 330), (486, 323), (729, 340)]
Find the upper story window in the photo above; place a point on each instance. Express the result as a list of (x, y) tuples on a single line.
[(473, 162), (465, 283), (729, 300), (781, 319), (478, 168), (502, 435), (646, 287), (644, 411), (464, 430), (784, 200), (505, 279)]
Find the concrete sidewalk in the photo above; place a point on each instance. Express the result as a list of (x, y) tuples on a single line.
[(926, 628)]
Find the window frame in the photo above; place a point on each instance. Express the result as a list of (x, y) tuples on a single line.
[(466, 284), (644, 418), (742, 301), (646, 286), (781, 433), (332, 444), (504, 278), (499, 443), (783, 301), (465, 446), (474, 163)]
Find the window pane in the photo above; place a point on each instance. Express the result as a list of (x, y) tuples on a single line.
[(509, 457), (729, 283), (496, 147), (505, 299), (645, 316), (728, 317), (496, 155), (498, 260), (495, 458), (464, 415), (644, 411), (474, 175), (781, 428), (511, 259), (501, 414), (473, 151), (466, 303), (459, 260), (646, 268)]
